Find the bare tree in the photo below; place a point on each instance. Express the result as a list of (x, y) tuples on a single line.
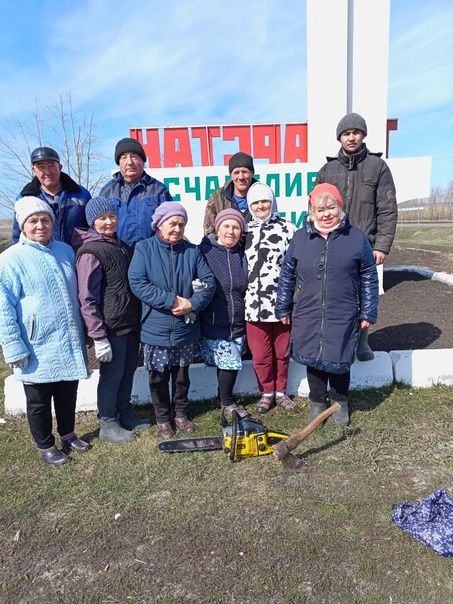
[(71, 133)]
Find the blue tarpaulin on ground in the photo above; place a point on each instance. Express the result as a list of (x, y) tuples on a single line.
[(430, 521)]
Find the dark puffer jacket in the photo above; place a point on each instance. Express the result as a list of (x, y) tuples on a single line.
[(328, 285), (158, 273), (369, 198), (224, 317), (68, 206)]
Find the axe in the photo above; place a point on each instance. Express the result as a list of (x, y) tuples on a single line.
[(282, 451)]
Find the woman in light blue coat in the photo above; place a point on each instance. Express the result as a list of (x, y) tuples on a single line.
[(41, 330)]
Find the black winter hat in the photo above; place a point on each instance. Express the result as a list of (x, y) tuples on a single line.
[(44, 154), (351, 121), (241, 160), (129, 145)]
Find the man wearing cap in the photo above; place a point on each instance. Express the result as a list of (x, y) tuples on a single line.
[(66, 198), (233, 194), (366, 185), (135, 193)]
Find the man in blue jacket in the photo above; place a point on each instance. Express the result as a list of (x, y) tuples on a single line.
[(135, 193), (66, 198)]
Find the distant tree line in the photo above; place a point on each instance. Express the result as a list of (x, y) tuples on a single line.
[(437, 208)]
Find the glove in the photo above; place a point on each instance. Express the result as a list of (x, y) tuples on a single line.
[(198, 285), (103, 350), (20, 364)]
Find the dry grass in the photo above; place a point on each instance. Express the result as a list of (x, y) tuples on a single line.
[(130, 524)]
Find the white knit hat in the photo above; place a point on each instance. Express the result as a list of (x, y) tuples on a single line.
[(259, 191), (28, 205)]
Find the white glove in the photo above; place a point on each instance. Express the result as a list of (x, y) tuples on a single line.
[(103, 350), (20, 364), (198, 285)]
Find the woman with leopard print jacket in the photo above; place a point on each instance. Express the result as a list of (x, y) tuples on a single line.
[(267, 240)]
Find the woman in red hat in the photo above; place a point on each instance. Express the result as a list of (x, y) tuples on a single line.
[(328, 290)]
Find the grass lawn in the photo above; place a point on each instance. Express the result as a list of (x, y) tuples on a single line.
[(130, 524)]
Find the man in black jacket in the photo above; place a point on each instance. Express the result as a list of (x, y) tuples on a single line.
[(366, 185)]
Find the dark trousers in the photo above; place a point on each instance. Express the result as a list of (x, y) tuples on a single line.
[(164, 407), (318, 382), (269, 344), (116, 377), (39, 410), (226, 379)]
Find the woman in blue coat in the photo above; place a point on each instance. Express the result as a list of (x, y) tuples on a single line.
[(328, 290), (162, 275), (41, 330)]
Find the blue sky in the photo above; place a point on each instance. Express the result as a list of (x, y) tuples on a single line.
[(154, 63)]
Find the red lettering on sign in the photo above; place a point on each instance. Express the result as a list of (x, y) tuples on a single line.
[(151, 145), (242, 134), (296, 143), (206, 134), (266, 139), (177, 151), (267, 143)]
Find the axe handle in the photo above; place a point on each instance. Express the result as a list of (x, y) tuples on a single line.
[(297, 437)]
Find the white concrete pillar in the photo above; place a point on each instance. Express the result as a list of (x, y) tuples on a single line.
[(347, 70)]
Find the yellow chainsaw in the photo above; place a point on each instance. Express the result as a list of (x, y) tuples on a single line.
[(244, 437)]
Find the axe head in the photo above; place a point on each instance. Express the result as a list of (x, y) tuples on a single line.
[(289, 461)]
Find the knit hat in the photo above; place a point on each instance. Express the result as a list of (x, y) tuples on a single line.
[(241, 160), (129, 145), (26, 206), (167, 209), (325, 189), (259, 191), (229, 214), (351, 121), (97, 206)]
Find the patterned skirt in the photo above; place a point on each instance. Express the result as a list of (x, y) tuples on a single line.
[(224, 354), (158, 358)]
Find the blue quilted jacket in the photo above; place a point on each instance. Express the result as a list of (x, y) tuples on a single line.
[(135, 204), (327, 285), (224, 317), (157, 274), (39, 312)]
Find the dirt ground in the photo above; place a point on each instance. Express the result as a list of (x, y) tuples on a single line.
[(415, 312)]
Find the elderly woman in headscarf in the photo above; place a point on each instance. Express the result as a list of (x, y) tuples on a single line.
[(328, 290), (222, 322), (41, 330), (267, 241), (163, 274)]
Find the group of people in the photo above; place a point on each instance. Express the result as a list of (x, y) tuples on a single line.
[(116, 271)]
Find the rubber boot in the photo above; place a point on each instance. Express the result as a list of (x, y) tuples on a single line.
[(364, 352), (112, 432), (340, 419), (316, 408), (129, 421)]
